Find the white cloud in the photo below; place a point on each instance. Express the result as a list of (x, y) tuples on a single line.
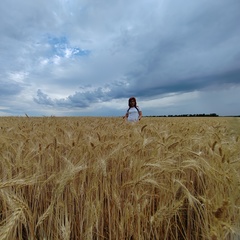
[(18, 76)]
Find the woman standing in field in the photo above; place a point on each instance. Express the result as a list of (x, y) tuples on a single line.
[(133, 113)]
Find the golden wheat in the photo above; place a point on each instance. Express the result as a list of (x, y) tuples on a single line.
[(102, 178)]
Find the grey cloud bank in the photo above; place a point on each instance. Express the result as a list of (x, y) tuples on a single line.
[(76, 57)]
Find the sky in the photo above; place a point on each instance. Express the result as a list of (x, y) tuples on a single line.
[(87, 57)]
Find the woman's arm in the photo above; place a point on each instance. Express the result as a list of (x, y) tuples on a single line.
[(140, 115), (126, 116)]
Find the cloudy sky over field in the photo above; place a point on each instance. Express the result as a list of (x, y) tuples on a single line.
[(87, 57)]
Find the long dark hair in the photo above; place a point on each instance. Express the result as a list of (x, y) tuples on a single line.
[(134, 99), (135, 104)]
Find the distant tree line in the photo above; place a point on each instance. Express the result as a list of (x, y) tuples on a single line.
[(189, 115)]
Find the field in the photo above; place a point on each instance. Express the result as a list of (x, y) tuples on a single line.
[(102, 178)]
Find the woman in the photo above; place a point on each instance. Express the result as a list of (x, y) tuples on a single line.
[(133, 113)]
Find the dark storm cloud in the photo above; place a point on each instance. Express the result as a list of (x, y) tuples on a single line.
[(201, 83), (78, 99), (120, 89), (43, 98), (9, 89)]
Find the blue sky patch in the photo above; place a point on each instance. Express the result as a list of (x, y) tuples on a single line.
[(62, 48)]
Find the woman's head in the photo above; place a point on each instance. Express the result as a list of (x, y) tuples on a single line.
[(132, 102)]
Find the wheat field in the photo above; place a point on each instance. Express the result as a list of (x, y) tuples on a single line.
[(102, 178)]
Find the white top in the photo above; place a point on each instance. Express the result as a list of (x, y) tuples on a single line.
[(133, 114)]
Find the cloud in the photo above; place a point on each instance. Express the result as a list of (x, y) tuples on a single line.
[(9, 89), (43, 98), (82, 98), (78, 54)]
